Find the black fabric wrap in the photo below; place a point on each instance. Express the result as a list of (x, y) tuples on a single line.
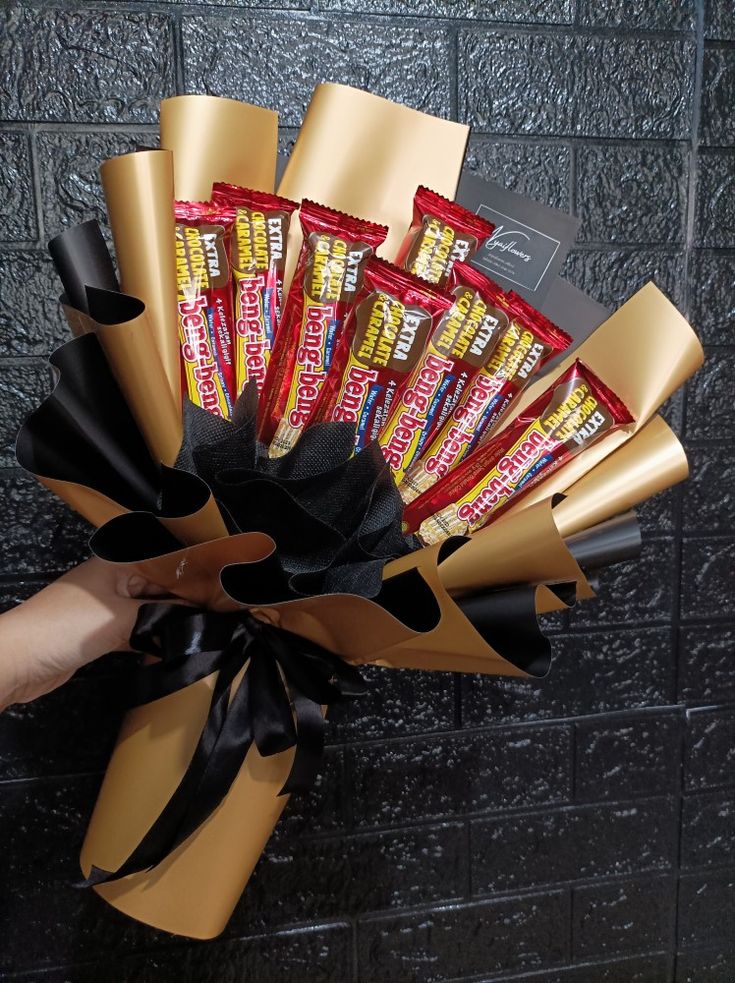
[(335, 517), (276, 706)]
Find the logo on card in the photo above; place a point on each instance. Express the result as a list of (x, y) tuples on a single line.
[(515, 251)]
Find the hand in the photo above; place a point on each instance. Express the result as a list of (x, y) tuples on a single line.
[(89, 611)]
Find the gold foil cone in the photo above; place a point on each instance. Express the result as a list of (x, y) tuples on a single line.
[(194, 890), (644, 352), (95, 507), (366, 156), (139, 191), (79, 322), (649, 463), (523, 548), (131, 351), (214, 139)]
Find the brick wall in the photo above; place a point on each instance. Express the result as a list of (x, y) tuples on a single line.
[(578, 830)]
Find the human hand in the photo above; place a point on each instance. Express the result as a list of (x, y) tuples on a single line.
[(87, 612)]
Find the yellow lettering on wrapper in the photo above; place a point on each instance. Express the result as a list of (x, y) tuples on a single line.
[(308, 378), (252, 346), (401, 436)]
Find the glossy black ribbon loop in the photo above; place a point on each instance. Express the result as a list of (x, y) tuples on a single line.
[(277, 705)]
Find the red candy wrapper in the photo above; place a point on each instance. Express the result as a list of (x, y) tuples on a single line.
[(459, 347), (326, 283), (442, 233), (526, 342), (258, 256), (384, 338), (204, 304), (577, 410)]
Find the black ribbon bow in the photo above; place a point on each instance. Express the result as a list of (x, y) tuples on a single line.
[(277, 705)]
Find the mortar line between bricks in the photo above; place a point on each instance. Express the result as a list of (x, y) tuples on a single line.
[(21, 245), (534, 975), (175, 944), (178, 45), (36, 179), (453, 38), (559, 723), (468, 838), (562, 139), (14, 361), (76, 126), (355, 960), (675, 928)]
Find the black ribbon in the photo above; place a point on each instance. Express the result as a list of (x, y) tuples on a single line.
[(278, 705)]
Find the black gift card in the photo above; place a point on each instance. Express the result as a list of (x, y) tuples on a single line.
[(574, 312), (530, 241)]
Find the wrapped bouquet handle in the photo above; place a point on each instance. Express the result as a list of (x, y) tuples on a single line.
[(284, 682)]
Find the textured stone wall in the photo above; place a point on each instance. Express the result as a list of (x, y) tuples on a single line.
[(578, 830)]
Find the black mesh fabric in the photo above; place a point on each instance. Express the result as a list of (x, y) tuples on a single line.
[(334, 516)]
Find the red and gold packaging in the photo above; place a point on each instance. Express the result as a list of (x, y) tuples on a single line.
[(326, 283), (573, 413), (459, 347), (258, 256), (442, 233), (526, 342), (384, 338), (204, 304)]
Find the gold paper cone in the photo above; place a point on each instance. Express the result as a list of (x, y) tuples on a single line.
[(644, 353), (520, 548), (366, 156), (95, 507), (131, 352), (194, 890), (79, 322), (139, 191), (650, 462), (214, 139)]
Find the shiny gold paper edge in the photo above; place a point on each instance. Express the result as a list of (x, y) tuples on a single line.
[(647, 464), (79, 322), (92, 505), (139, 192), (194, 890), (366, 156), (644, 352), (217, 139), (133, 356), (522, 548)]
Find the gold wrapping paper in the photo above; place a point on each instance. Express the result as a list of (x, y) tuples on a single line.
[(79, 322), (366, 156), (644, 352), (194, 890), (139, 191), (649, 463), (131, 352), (214, 139), (519, 548), (95, 507)]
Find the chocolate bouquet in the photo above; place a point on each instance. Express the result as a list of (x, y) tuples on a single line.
[(312, 418)]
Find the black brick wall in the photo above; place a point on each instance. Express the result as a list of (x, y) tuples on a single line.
[(579, 830)]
